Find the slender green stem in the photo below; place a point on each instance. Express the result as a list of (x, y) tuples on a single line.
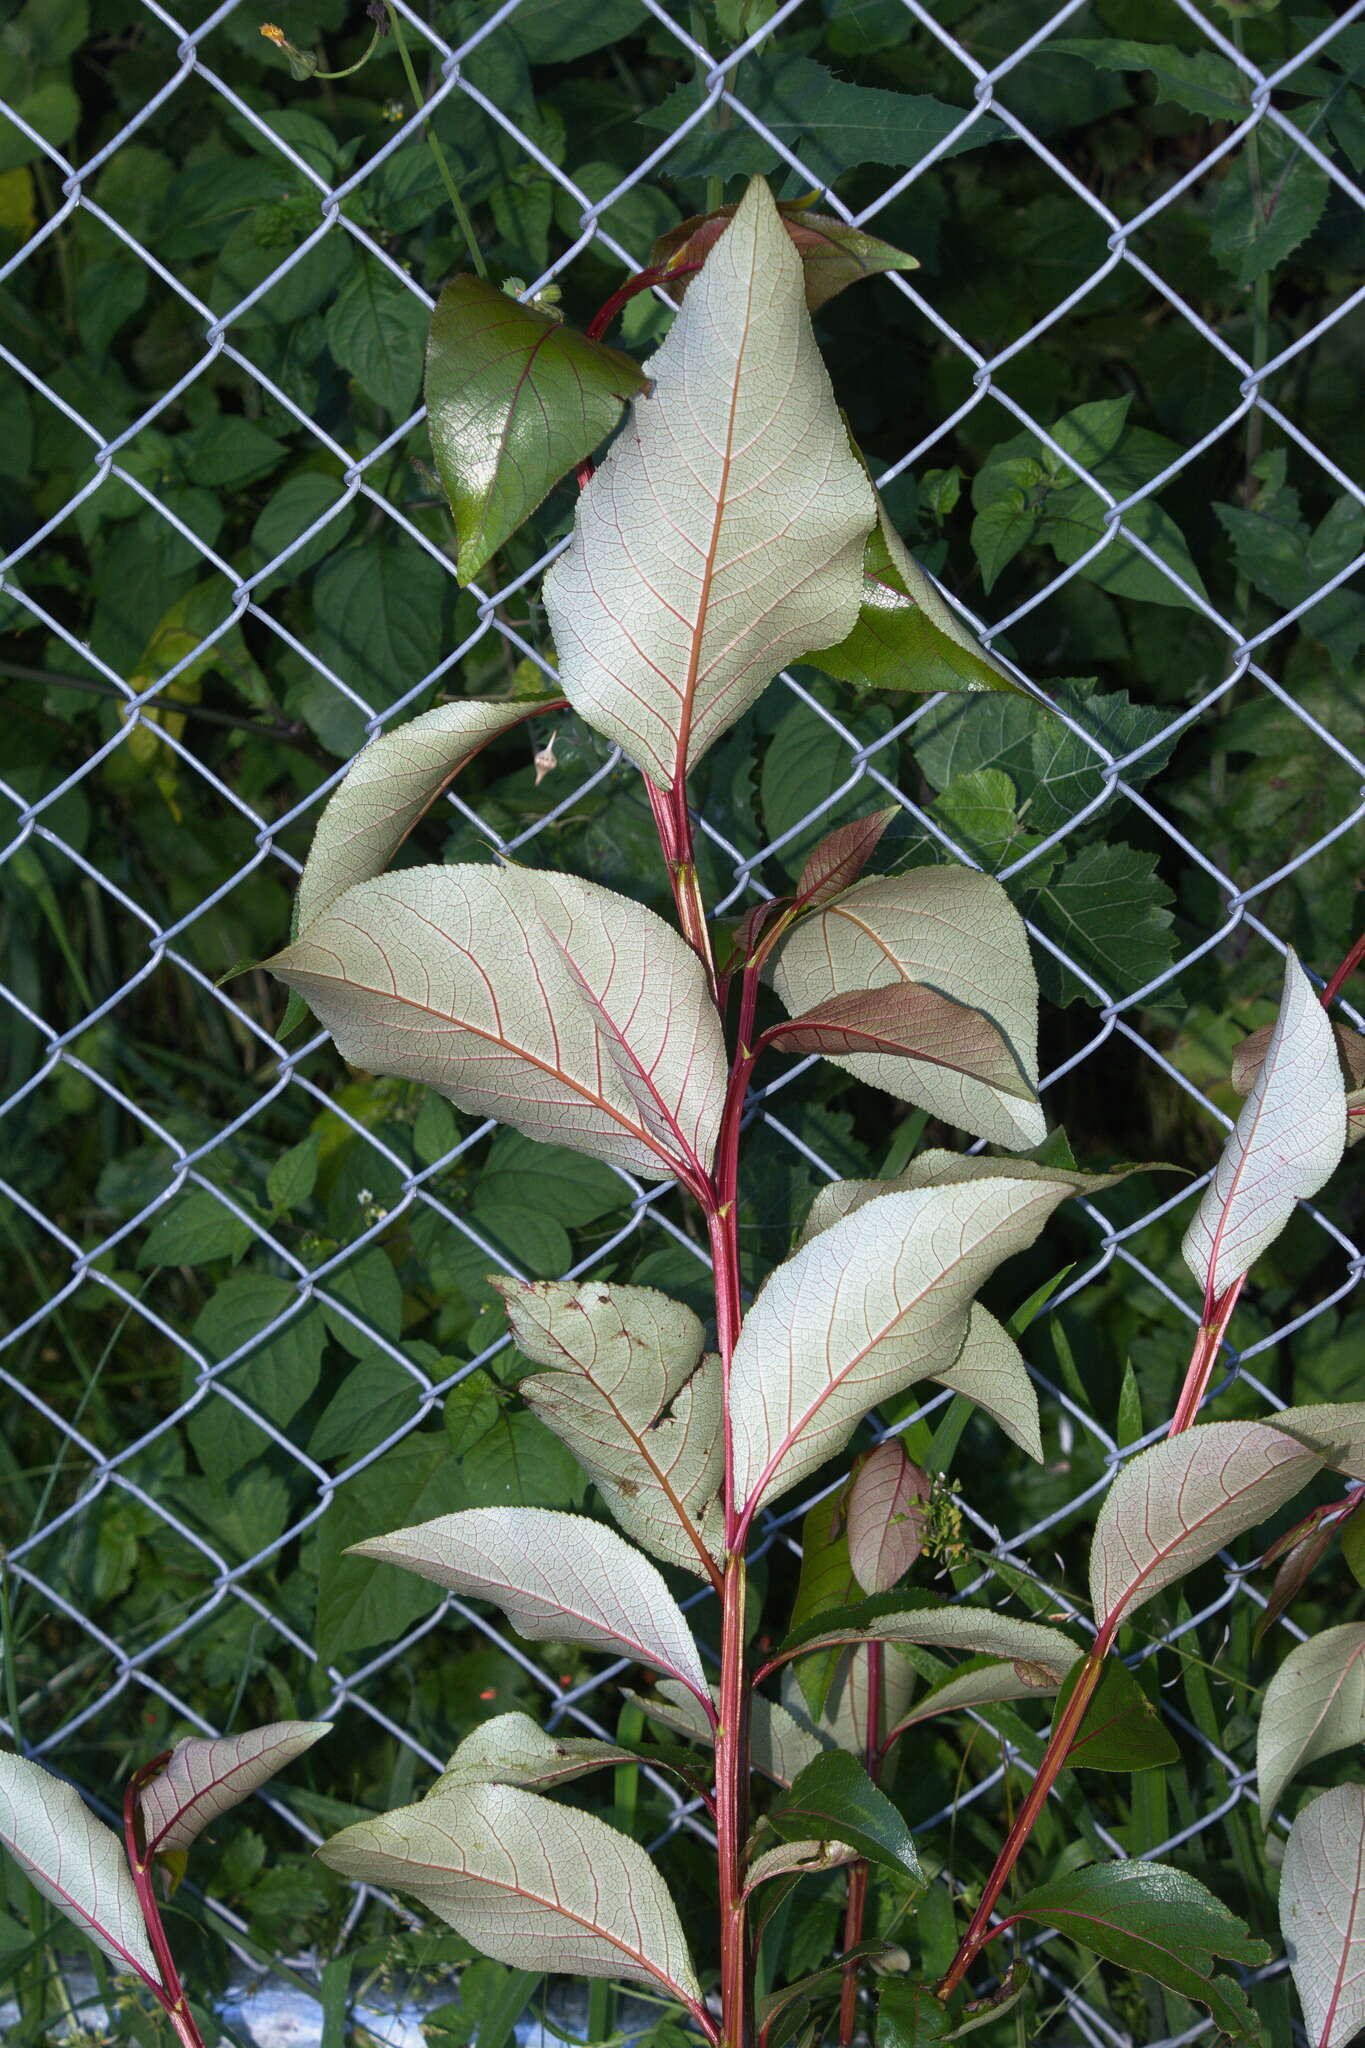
[(360, 62), (458, 207), (9, 1653)]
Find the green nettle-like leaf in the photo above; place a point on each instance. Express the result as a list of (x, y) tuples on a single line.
[(863, 1311), (886, 1517), (204, 1777), (75, 1861), (1121, 1730), (553, 1004), (723, 534), (833, 253), (938, 1624), (1322, 1914), (555, 1576), (387, 789), (906, 637), (512, 1749), (1150, 1918), (834, 1799), (630, 1394), (529, 1882), (956, 932), (514, 399), (1314, 1704), (1175, 1506), (1286, 1143)]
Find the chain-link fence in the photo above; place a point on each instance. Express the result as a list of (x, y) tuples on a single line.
[(192, 60)]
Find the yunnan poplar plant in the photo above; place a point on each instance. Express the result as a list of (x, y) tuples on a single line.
[(729, 530)]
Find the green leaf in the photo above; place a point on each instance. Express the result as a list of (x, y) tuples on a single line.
[(1121, 1730), (834, 254), (826, 1584), (292, 1177), (292, 508), (1107, 911), (194, 1231), (1201, 81), (909, 2016), (831, 125), (361, 1603), (376, 328), (376, 1397), (523, 1172), (53, 109), (1001, 528), (1156, 1920), (1320, 1913), (833, 1799), (515, 399), (1260, 221), (378, 627), (276, 1378)]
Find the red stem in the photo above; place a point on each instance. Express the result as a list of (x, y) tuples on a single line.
[(1204, 1357), (1344, 972), (856, 1909), (142, 1867)]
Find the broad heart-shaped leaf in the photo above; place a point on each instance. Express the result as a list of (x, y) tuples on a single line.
[(834, 255), (629, 1394), (906, 637), (1156, 1920), (1175, 1506), (387, 788), (919, 1617), (1322, 1914), (990, 1370), (860, 1313), (937, 1169), (722, 535), (840, 858), (529, 1882), (512, 1749), (546, 1001), (1314, 1704), (1120, 1730), (554, 1575), (514, 399), (203, 1777), (1287, 1141), (779, 1745), (908, 1021), (955, 931), (75, 1861), (833, 1799), (886, 1517)]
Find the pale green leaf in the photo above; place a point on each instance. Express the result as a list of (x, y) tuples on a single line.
[(938, 1624), (1287, 1142), (629, 1394), (1322, 1914), (205, 1776), (529, 1882), (75, 1861), (1175, 1506), (936, 1168), (548, 1002), (990, 1370), (556, 1576), (1314, 1704), (955, 931), (1334, 1430), (512, 1749), (746, 512)]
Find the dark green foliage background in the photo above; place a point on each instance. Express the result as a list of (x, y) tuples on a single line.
[(195, 816)]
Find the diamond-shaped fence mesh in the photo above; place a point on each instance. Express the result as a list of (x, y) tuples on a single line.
[(93, 1296)]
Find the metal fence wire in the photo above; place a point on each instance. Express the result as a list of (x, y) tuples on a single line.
[(188, 52)]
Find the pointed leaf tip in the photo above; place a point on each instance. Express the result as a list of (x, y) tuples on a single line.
[(75, 1861), (204, 1776)]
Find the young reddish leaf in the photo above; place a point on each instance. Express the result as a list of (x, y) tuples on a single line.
[(722, 535), (743, 937), (204, 1777), (629, 1394), (955, 931), (906, 637), (886, 1517), (389, 786), (1296, 1565), (1314, 1704), (1175, 1506), (1322, 1914), (514, 399), (529, 1882), (834, 254), (1287, 1141), (1249, 1057), (840, 858), (1121, 1730), (554, 1575), (548, 1002), (833, 1799), (860, 1313), (908, 1021), (1153, 1919), (75, 1861)]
